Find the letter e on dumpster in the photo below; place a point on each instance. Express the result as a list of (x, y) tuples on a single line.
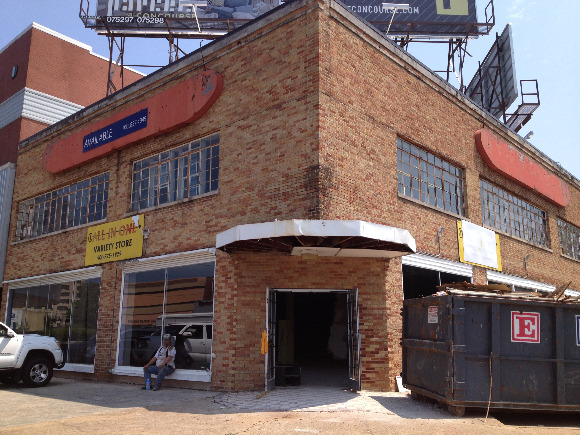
[(525, 327)]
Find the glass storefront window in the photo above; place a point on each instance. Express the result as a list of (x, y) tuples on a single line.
[(66, 311), (178, 301)]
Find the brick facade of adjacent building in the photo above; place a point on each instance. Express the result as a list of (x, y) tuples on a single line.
[(55, 65)]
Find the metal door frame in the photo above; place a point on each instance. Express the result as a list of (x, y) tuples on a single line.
[(354, 337)]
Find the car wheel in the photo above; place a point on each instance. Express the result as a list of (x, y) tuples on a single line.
[(37, 372), (9, 379)]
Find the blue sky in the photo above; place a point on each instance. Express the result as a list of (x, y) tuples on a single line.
[(546, 45)]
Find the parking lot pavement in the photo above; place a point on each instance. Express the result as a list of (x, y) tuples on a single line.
[(67, 406), (66, 398)]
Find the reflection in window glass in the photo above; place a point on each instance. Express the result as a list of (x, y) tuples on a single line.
[(83, 327), (142, 304), (177, 301), (66, 311), (17, 315)]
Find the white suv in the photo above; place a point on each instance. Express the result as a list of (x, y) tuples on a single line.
[(30, 357)]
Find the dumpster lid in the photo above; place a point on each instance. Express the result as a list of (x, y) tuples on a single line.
[(504, 291)]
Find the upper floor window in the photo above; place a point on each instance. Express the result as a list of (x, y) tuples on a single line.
[(183, 172), (430, 179), (569, 239), (64, 208), (513, 215)]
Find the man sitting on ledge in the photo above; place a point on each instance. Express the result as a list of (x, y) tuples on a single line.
[(162, 364)]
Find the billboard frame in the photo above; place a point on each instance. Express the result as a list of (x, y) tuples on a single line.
[(177, 28)]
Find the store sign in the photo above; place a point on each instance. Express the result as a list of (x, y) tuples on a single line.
[(525, 327), (511, 163), (478, 246), (114, 241), (163, 112), (115, 131)]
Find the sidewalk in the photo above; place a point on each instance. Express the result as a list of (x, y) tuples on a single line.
[(66, 406)]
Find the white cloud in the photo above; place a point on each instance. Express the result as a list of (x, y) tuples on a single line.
[(518, 9)]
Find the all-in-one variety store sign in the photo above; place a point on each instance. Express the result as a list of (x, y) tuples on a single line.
[(114, 241), (165, 111)]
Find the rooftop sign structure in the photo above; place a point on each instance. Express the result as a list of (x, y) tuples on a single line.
[(494, 86), (422, 17), (205, 19), (209, 19)]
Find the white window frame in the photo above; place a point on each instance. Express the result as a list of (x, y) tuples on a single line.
[(162, 262)]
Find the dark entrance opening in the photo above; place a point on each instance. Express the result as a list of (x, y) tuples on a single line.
[(419, 282), (311, 339)]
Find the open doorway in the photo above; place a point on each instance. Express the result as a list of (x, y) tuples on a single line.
[(312, 338)]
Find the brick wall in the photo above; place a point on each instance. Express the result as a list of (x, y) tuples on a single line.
[(308, 121), (368, 99), (240, 312)]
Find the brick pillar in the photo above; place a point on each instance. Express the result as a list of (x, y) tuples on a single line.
[(479, 275), (108, 321), (224, 323), (394, 290)]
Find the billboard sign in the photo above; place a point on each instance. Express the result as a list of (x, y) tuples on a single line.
[(422, 17), (199, 18), (182, 17), (494, 86)]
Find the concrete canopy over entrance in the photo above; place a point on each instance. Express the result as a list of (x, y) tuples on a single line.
[(325, 238)]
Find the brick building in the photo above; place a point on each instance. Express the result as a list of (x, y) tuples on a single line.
[(272, 198), (44, 77)]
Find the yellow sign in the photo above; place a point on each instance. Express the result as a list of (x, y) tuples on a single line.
[(478, 246), (456, 7), (114, 241)]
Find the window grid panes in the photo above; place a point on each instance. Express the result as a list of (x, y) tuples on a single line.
[(67, 207), (569, 239), (512, 215), (183, 172), (428, 178)]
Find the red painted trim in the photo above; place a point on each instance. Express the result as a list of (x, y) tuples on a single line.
[(508, 161), (179, 105)]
